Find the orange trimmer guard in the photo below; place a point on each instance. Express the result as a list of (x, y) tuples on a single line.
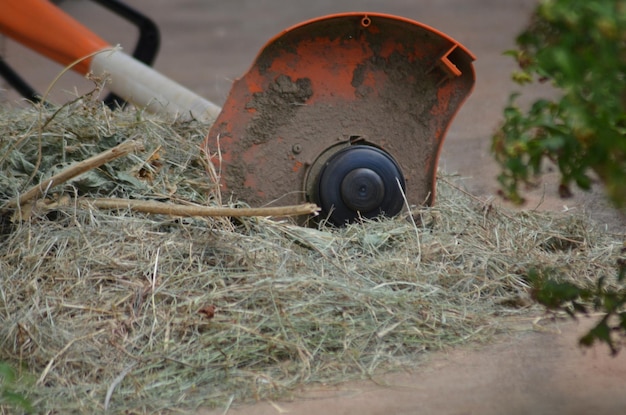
[(340, 82)]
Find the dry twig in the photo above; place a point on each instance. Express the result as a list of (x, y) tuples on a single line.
[(148, 206)]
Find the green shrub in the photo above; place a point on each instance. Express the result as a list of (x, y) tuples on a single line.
[(579, 46)]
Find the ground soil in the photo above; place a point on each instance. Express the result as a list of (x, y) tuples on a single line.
[(207, 44), (530, 372)]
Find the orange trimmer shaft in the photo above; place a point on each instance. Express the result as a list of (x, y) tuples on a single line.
[(44, 28)]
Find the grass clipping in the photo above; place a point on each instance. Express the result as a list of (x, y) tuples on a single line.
[(122, 311)]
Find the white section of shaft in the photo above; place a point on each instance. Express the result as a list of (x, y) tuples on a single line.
[(146, 88)]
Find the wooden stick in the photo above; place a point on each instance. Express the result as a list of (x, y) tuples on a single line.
[(75, 170), (148, 206)]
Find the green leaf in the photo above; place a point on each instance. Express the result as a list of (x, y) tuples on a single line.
[(16, 400), (553, 293), (553, 142), (7, 395), (7, 375), (522, 77), (602, 333)]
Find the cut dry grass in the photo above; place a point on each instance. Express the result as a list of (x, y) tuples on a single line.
[(144, 313)]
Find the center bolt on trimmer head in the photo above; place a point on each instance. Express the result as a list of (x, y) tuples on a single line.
[(348, 111)]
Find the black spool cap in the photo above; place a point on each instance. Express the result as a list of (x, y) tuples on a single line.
[(360, 181)]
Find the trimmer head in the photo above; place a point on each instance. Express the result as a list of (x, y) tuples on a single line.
[(348, 111)]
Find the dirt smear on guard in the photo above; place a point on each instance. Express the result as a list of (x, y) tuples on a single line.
[(332, 83)]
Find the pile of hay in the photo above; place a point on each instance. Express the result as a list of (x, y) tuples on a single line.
[(142, 313)]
